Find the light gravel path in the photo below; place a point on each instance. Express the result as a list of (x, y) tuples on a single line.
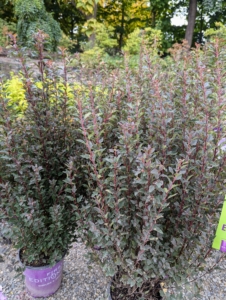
[(83, 280)]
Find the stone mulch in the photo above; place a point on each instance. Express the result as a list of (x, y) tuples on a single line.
[(82, 279)]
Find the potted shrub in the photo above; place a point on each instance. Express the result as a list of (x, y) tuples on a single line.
[(157, 181), (38, 196)]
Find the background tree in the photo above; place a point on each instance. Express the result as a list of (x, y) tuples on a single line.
[(70, 19), (7, 11), (88, 10), (200, 12), (217, 15), (32, 16), (192, 11), (123, 16)]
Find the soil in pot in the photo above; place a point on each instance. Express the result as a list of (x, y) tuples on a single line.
[(146, 291), (42, 261)]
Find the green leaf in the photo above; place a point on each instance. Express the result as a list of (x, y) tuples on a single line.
[(156, 228), (151, 188)]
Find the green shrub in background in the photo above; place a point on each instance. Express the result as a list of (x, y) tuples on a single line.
[(219, 32), (101, 43), (103, 36), (104, 45), (150, 37), (66, 42), (92, 57), (133, 42), (5, 28), (32, 16)]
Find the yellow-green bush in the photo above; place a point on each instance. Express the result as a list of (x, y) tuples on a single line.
[(92, 57), (102, 44), (72, 90), (15, 93), (152, 38), (219, 32)]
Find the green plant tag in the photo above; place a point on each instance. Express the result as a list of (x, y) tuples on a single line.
[(219, 241)]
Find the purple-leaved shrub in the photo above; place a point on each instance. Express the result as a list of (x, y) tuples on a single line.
[(38, 198), (133, 164), (156, 173)]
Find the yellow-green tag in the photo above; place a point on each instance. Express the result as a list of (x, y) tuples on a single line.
[(219, 241)]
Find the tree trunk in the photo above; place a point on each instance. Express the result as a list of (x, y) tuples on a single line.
[(122, 27), (191, 21), (92, 38), (153, 19), (72, 27), (88, 17), (94, 14), (201, 26)]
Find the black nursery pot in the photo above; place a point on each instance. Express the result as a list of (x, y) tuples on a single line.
[(155, 293)]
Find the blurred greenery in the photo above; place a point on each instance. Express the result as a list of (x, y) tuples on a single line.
[(109, 25)]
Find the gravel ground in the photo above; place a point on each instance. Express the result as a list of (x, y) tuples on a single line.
[(83, 280), (213, 284)]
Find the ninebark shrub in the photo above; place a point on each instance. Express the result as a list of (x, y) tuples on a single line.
[(141, 144), (156, 171), (38, 199)]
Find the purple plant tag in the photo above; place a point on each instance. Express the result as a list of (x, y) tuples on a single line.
[(223, 246)]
